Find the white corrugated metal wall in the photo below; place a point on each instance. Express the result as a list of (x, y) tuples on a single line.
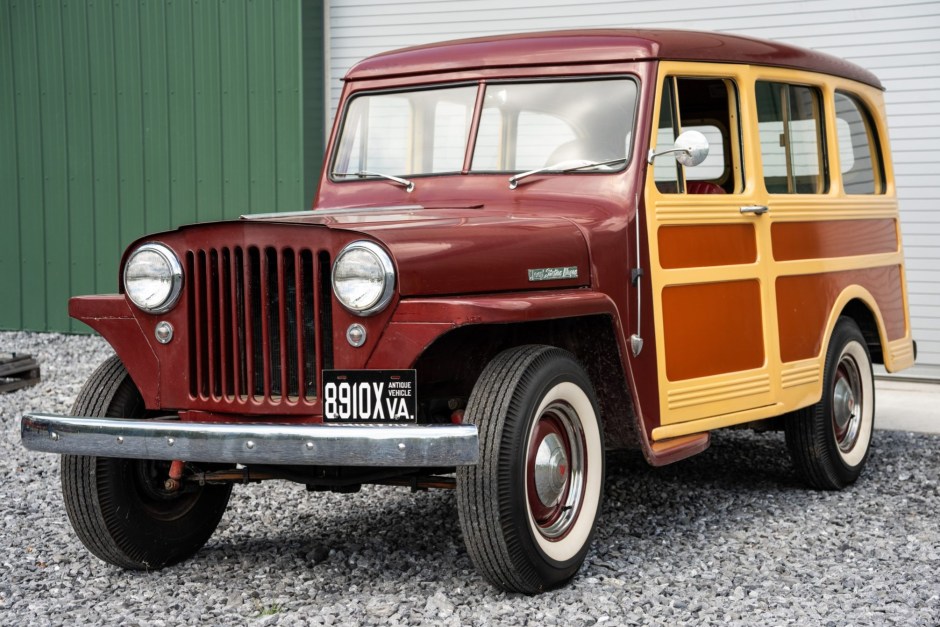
[(896, 40)]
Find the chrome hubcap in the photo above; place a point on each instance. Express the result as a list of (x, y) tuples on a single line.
[(551, 470), (555, 470), (847, 404)]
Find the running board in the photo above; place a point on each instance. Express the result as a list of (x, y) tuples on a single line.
[(673, 449)]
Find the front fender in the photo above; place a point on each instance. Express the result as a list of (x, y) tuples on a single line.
[(111, 316), (417, 322)]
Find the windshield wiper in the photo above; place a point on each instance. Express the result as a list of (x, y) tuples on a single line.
[(408, 185), (562, 167)]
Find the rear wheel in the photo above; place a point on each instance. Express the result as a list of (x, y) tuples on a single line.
[(528, 509), (121, 509), (829, 442)]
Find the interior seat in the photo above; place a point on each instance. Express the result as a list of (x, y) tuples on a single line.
[(703, 187)]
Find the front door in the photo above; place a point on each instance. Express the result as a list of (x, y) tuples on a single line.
[(709, 250)]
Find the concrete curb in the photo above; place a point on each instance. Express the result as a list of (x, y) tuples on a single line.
[(907, 406)]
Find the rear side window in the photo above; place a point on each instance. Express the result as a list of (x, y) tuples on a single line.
[(859, 149), (791, 139)]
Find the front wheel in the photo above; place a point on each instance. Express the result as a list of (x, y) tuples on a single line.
[(121, 509), (829, 441), (528, 509)]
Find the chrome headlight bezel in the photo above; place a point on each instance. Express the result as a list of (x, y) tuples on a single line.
[(384, 266), (173, 277)]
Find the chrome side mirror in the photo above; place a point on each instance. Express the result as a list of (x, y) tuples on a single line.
[(690, 149)]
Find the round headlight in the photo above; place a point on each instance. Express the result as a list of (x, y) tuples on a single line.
[(363, 278), (153, 278)]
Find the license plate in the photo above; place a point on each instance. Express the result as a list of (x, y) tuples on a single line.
[(352, 396)]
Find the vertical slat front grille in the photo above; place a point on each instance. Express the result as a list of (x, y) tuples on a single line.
[(253, 320)]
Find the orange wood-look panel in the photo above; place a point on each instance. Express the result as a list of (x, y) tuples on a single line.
[(712, 328), (835, 238), (804, 303), (706, 245)]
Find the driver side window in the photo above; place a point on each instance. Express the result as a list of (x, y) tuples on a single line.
[(709, 106)]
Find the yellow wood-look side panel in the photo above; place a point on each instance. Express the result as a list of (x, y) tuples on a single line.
[(699, 404)]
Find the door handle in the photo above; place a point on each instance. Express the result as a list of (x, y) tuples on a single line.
[(757, 210)]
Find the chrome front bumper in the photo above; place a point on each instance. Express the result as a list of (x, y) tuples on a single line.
[(308, 444)]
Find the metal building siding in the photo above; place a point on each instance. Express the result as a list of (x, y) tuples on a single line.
[(897, 41), (124, 117)]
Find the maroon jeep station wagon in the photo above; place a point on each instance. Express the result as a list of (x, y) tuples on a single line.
[(524, 251)]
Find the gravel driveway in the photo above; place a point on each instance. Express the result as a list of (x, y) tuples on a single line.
[(728, 537)]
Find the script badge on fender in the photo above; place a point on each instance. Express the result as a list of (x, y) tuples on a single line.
[(553, 274)]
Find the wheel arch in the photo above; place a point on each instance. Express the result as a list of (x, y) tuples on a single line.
[(457, 358), (857, 303)]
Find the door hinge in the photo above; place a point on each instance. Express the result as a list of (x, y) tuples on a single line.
[(635, 275)]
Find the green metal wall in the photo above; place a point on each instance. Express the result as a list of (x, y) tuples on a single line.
[(124, 117)]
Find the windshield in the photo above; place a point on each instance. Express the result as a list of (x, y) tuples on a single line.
[(522, 126)]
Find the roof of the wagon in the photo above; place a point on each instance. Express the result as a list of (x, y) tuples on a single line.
[(601, 46)]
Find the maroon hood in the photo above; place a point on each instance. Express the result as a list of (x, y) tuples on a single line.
[(462, 250)]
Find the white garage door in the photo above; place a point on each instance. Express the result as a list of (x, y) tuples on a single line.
[(897, 41)]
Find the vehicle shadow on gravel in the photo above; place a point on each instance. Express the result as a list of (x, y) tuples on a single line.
[(383, 534), (735, 459)]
